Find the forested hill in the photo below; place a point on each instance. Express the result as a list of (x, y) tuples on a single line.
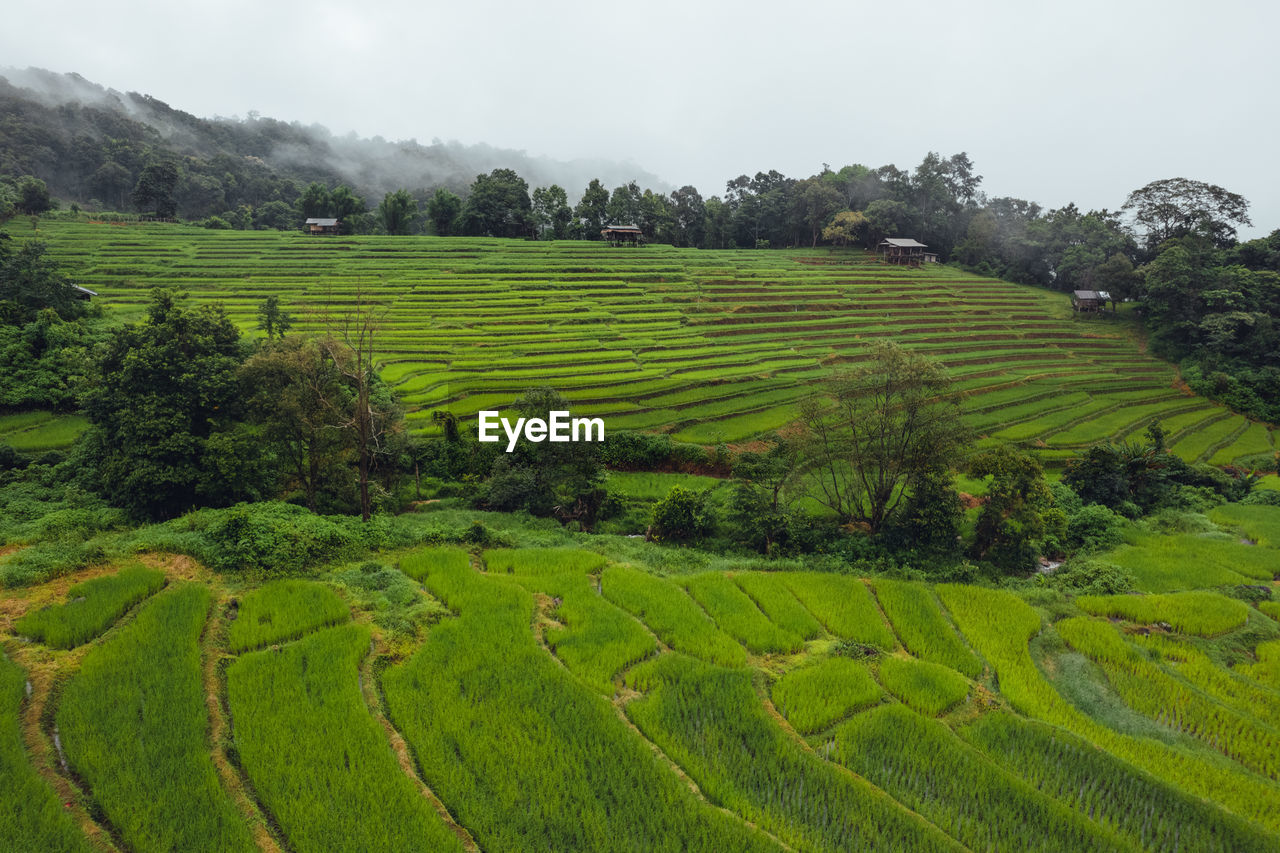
[(90, 144)]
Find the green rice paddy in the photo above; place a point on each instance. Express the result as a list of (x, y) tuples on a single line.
[(711, 346)]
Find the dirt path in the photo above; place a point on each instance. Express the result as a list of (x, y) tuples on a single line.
[(213, 657), (45, 672), (373, 699)]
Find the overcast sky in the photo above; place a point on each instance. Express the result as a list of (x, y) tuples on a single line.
[(1080, 101)]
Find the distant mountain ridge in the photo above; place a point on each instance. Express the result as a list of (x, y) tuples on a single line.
[(73, 134)]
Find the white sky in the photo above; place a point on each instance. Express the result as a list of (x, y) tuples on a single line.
[(1080, 101)]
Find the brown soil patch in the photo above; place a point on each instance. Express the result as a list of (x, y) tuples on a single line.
[(969, 501)]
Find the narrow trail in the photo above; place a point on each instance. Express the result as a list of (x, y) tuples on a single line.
[(45, 672), (213, 657), (373, 700)]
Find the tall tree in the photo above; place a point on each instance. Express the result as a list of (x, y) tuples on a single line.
[(592, 210), (551, 211), (690, 214), (877, 430), (163, 411), (397, 212), (1175, 207), (371, 419), (442, 211), (498, 206), (155, 188)]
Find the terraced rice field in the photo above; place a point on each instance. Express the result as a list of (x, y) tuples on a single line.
[(568, 702), (712, 346)]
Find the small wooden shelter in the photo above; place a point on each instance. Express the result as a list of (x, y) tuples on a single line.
[(905, 250), (83, 293), (1091, 301), (322, 225), (622, 235)]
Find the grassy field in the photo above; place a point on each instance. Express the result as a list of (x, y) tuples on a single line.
[(567, 699), (712, 346)]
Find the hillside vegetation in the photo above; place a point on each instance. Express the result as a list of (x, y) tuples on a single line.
[(713, 346)]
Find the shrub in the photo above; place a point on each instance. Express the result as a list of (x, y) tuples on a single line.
[(1090, 577), (681, 516), (277, 538), (1094, 528)]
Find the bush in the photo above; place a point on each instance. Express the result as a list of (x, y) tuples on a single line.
[(1090, 577), (681, 516), (1262, 497), (278, 538), (1094, 528)]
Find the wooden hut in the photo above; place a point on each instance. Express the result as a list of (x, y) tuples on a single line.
[(622, 235), (322, 225), (904, 250), (84, 294), (1091, 301)]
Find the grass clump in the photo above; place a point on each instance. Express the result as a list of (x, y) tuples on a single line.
[(92, 606), (542, 561), (1204, 614), (929, 688), (814, 697), (284, 610)]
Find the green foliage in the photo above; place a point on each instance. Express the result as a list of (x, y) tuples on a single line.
[(682, 516), (931, 518), (929, 688), (277, 538), (1011, 522), (815, 697), (497, 206), (91, 608), (162, 408), (442, 211), (32, 820), (1151, 812), (844, 606), (397, 213), (31, 282), (887, 424), (770, 593), (568, 778), (134, 724), (560, 479), (1201, 613), (1094, 528), (284, 610), (1085, 576), (320, 763), (673, 616), (737, 615), (1261, 523), (924, 630), (931, 771), (710, 721)]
